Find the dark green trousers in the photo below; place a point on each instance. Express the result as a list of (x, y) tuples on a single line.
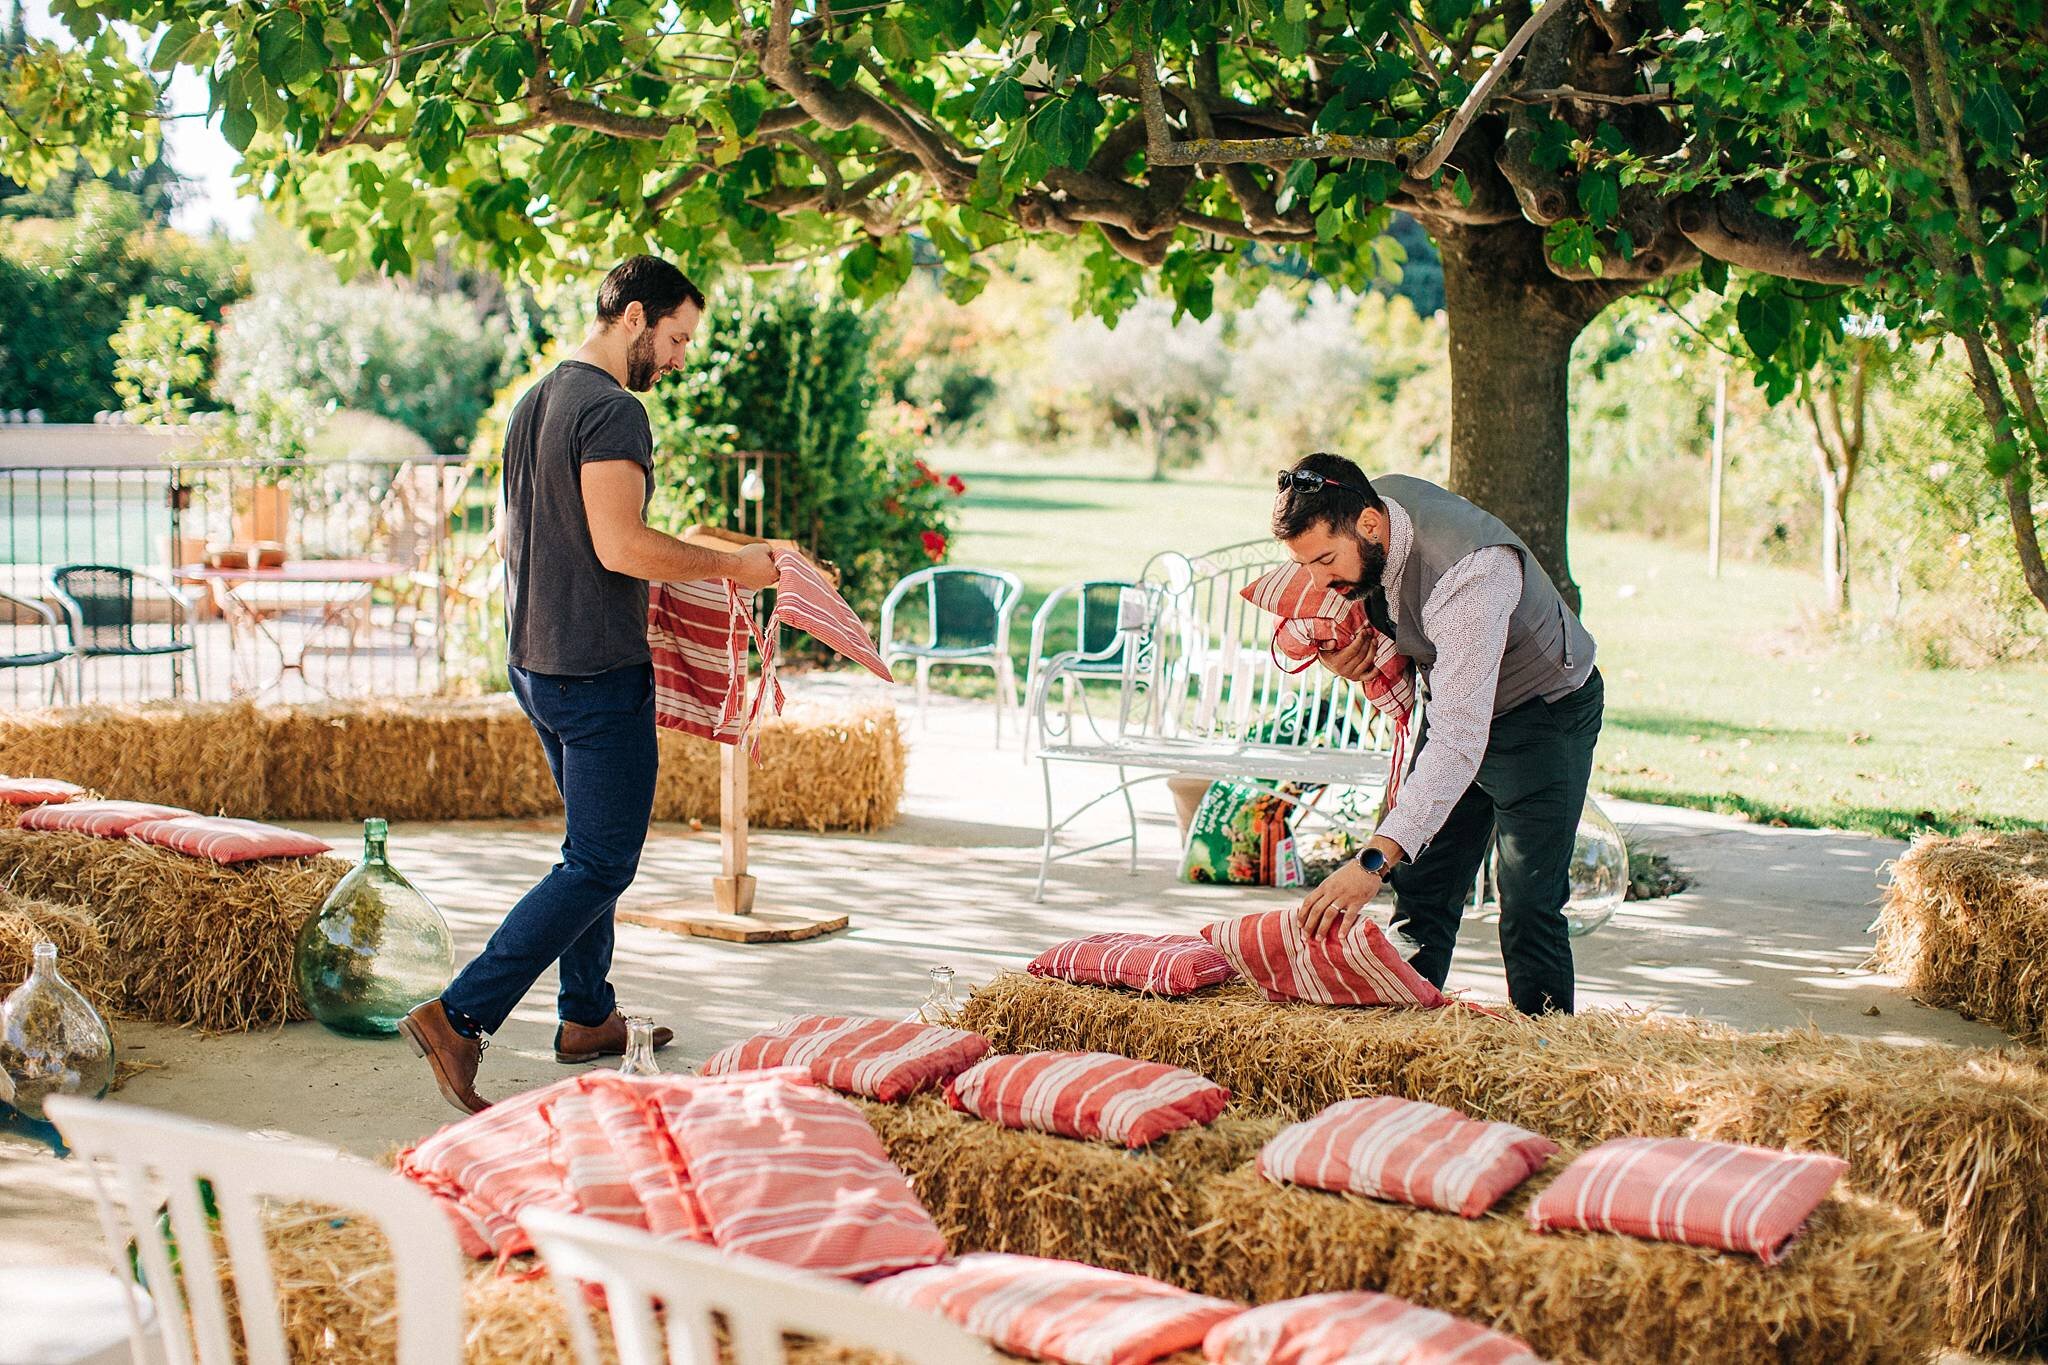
[(1530, 789)]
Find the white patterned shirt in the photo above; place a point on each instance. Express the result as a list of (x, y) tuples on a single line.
[(1466, 617)]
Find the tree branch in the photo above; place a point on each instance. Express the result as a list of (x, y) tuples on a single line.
[(1475, 98), (1730, 228), (1162, 150)]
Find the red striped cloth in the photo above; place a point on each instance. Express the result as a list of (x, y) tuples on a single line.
[(37, 791), (226, 841), (1358, 1328), (698, 634), (1355, 966), (1093, 1095), (1163, 964), (1704, 1194), (792, 1173), (1060, 1310), (106, 819), (1408, 1152), (1314, 620), (878, 1058)]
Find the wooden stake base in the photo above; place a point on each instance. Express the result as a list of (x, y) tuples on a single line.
[(702, 921)]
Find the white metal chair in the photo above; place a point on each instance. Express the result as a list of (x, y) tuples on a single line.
[(760, 1302), (967, 621), (53, 653), (1096, 606), (138, 1159)]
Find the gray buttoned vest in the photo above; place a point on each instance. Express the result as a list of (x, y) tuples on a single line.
[(1547, 649)]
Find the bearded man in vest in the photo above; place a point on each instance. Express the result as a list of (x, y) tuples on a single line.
[(1513, 707)]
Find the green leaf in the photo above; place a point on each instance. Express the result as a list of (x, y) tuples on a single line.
[(238, 126), (1300, 177), (1714, 274), (1600, 195), (1764, 317), (1462, 188), (175, 40), (437, 133), (747, 103)]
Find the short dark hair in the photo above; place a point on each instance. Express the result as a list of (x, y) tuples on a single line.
[(658, 287), (1336, 504)]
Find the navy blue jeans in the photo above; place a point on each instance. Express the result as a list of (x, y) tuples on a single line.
[(599, 737)]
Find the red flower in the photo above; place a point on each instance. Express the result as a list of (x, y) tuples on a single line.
[(892, 507), (956, 483), (935, 545), (928, 474)]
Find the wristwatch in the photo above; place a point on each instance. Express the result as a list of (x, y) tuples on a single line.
[(1374, 860)]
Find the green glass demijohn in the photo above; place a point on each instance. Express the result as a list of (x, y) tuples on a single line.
[(52, 1041), (374, 949)]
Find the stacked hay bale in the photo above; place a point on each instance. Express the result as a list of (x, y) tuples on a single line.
[(1958, 1138), (183, 940), (81, 945), (1965, 923), (822, 767)]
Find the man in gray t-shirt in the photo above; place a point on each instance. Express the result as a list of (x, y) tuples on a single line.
[(579, 469)]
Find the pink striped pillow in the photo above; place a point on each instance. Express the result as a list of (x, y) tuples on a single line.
[(877, 1058), (1358, 1328), (1164, 964), (792, 1173), (1087, 1095), (37, 791), (1704, 1194), (1060, 1310), (1356, 966), (635, 1115), (104, 819), (227, 841), (1408, 1152)]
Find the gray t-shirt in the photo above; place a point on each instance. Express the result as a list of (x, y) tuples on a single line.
[(565, 612)]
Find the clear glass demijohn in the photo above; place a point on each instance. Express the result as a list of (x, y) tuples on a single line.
[(639, 1058), (374, 949), (939, 1002), (1599, 875), (52, 1041)]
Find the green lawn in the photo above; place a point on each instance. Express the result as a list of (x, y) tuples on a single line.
[(1715, 697)]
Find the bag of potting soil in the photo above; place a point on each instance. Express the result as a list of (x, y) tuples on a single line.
[(1240, 836)]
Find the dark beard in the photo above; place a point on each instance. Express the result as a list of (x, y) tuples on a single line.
[(1372, 567), (640, 363)]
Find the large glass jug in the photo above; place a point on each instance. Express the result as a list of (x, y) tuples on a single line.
[(374, 949), (52, 1041)]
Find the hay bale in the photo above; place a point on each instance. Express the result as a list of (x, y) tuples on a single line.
[(81, 945), (1957, 1137), (188, 941), (419, 759), (1858, 1287), (822, 768), (1965, 923), (991, 1188), (205, 757)]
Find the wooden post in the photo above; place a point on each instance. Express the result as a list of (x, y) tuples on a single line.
[(1714, 482), (733, 892)]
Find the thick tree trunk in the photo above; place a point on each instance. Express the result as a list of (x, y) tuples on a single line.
[(1512, 324)]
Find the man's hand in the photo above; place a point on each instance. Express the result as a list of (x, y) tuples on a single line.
[(754, 567), (1351, 662), (1335, 903)]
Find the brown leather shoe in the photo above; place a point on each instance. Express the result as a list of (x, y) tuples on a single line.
[(453, 1057), (584, 1043)]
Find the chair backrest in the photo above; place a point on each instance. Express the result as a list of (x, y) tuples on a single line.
[(1199, 666), (760, 1302), (966, 607), (100, 599), (138, 1159), (413, 519)]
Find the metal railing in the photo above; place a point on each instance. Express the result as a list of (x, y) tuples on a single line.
[(385, 587)]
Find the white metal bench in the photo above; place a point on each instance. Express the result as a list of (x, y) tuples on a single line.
[(1200, 695)]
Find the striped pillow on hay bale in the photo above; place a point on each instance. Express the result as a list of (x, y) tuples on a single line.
[(1965, 923), (1958, 1137), (1330, 1329), (188, 941)]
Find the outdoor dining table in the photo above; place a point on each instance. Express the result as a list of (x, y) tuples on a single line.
[(249, 620)]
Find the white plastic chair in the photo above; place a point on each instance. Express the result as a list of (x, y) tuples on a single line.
[(155, 1158), (760, 1302)]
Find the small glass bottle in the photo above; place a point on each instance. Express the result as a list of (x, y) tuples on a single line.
[(52, 1041), (939, 1006), (639, 1058), (374, 949)]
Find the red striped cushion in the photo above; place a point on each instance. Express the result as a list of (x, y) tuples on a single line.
[(1408, 1152), (1087, 1095), (1704, 1194), (37, 791), (805, 601), (1356, 966), (106, 819), (1060, 1310), (792, 1173), (878, 1058), (227, 841), (1358, 1329), (1164, 964)]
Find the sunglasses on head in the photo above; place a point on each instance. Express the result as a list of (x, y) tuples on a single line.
[(1308, 481)]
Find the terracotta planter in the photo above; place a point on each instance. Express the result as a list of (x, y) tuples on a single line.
[(262, 512)]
